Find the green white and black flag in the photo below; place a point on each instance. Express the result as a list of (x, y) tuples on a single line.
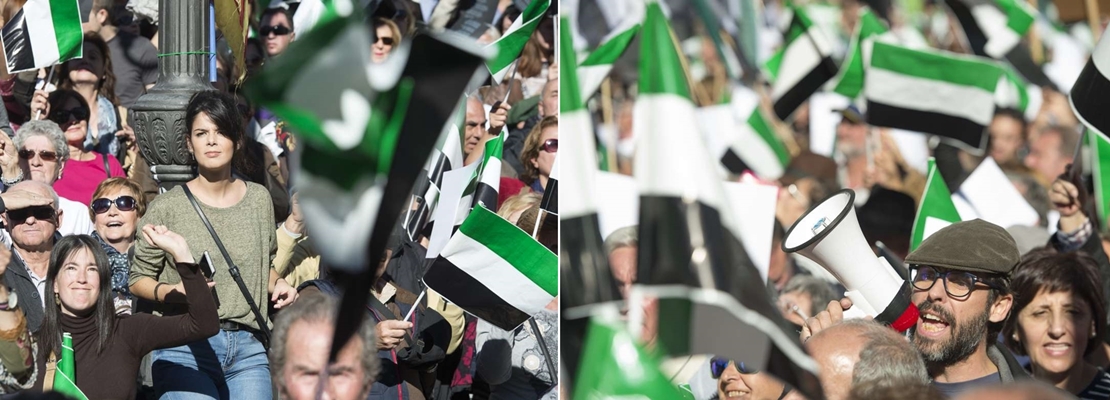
[(801, 67), (489, 174), (512, 42), (1088, 95), (41, 34)]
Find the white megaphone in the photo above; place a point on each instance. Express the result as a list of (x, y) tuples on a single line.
[(829, 234)]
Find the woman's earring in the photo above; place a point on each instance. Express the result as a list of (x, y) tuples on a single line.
[(58, 300)]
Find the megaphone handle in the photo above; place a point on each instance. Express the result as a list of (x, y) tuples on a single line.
[(859, 305)]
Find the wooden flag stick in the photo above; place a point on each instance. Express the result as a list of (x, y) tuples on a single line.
[(1035, 40), (607, 119), (1094, 18)]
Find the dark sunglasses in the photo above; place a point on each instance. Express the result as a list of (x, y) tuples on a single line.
[(551, 145), (42, 213), (280, 30), (43, 154), (67, 118), (717, 367), (123, 203), (388, 41)]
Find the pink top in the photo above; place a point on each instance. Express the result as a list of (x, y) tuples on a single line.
[(80, 178)]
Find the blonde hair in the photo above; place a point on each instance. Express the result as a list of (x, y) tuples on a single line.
[(532, 146), (518, 202), (379, 22)]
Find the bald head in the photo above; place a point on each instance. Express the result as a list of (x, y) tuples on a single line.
[(37, 188), (881, 359), (836, 351)]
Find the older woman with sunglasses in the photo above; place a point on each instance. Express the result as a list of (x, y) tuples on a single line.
[(41, 161), (117, 206), (539, 153), (1058, 319), (84, 169), (388, 38)]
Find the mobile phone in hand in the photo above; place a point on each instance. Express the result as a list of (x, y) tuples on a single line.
[(206, 266)]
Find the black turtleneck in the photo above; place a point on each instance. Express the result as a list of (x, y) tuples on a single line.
[(110, 374)]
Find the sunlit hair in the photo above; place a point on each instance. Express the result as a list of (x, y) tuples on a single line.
[(111, 184), (532, 145)]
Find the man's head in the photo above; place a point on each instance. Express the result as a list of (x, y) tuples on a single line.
[(859, 352), (1052, 151), (1007, 131), (33, 228), (277, 30), (99, 16), (960, 288), (475, 128), (549, 100), (42, 151), (299, 355), (621, 247), (851, 133)]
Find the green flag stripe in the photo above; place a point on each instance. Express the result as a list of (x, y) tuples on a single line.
[(570, 98), (67, 28), (936, 202), (850, 83), (1100, 148), (614, 366), (1019, 83), (494, 149), (510, 45), (714, 30), (611, 50), (759, 124), (514, 246), (660, 67), (1018, 19), (963, 70), (678, 314)]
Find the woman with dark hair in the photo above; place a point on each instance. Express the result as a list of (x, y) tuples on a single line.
[(107, 348), (84, 169), (241, 215), (92, 76), (1058, 319), (539, 153)]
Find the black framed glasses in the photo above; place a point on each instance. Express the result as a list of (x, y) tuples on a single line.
[(43, 154), (388, 41), (718, 365), (42, 213), (123, 203), (958, 284), (279, 30), (550, 145)]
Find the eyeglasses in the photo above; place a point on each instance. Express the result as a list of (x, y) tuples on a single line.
[(42, 213), (68, 118), (123, 203), (717, 367), (958, 284), (388, 41), (43, 154), (551, 145), (279, 30)]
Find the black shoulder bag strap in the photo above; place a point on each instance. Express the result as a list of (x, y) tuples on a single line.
[(108, 170), (233, 269)]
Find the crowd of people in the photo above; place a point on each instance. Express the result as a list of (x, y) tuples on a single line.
[(1011, 311), (211, 289)]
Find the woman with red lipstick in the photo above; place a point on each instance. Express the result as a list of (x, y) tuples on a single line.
[(1059, 319)]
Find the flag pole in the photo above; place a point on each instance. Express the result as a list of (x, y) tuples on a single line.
[(1035, 39), (415, 304), (532, 321), (49, 77), (607, 119), (1093, 18)]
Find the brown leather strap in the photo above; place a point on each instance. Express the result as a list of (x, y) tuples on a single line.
[(48, 378)]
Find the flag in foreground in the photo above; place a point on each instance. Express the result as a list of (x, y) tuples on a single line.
[(1088, 95), (596, 66), (65, 381), (616, 367), (1100, 170), (512, 43), (936, 210), (494, 270), (41, 34)]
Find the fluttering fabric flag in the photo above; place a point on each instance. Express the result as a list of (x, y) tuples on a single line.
[(489, 174), (1018, 94), (583, 264), (446, 156), (233, 20), (550, 200), (1001, 22), (41, 34), (687, 235), (496, 271), (936, 210), (1100, 171), (739, 135), (362, 150), (616, 367), (512, 42), (801, 67), (1088, 95), (65, 379), (849, 80), (596, 66), (933, 92), (711, 16)]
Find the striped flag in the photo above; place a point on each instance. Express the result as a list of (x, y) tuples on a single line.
[(1088, 95), (739, 135), (488, 179), (936, 210), (446, 156), (1100, 171), (687, 234), (711, 15), (550, 200), (1002, 23), (596, 66), (583, 264), (41, 34), (849, 80), (932, 92), (65, 379), (616, 367), (494, 270), (801, 67), (1018, 94), (512, 42)]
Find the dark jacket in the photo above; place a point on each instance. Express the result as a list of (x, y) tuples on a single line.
[(19, 279), (1093, 247)]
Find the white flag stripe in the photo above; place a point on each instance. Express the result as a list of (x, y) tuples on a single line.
[(496, 274), (1000, 39), (967, 102), (1101, 55), (591, 77), (801, 57), (40, 29), (668, 115), (576, 193)]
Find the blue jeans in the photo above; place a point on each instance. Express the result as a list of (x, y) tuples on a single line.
[(230, 365)]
